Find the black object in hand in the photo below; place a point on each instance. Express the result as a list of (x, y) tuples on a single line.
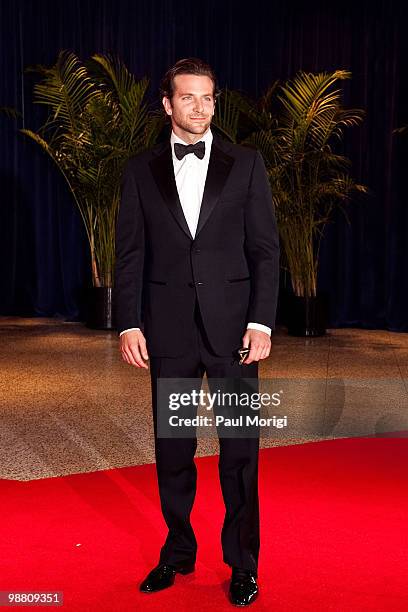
[(243, 354)]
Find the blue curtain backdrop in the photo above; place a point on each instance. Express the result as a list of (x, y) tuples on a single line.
[(44, 255)]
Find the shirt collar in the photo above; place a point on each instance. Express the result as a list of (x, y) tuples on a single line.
[(207, 138)]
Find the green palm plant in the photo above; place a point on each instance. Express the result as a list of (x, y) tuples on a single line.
[(295, 129), (97, 119)]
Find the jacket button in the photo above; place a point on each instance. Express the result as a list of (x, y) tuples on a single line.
[(200, 283)]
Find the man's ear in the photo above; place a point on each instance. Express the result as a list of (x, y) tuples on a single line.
[(167, 105)]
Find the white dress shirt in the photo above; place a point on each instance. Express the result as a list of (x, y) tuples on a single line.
[(190, 174)]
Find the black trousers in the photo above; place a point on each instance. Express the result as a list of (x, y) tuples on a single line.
[(177, 474)]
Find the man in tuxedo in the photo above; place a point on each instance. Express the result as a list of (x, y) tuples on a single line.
[(196, 278)]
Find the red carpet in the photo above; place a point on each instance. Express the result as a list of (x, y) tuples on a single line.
[(333, 533)]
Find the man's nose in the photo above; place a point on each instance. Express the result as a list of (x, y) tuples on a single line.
[(198, 106)]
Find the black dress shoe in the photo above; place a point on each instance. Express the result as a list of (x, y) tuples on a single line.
[(243, 587), (162, 576)]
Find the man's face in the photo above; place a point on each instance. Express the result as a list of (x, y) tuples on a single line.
[(192, 107)]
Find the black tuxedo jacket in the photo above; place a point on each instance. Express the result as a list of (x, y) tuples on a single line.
[(232, 264)]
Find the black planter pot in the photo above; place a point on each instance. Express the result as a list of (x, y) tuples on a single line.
[(99, 310), (307, 316)]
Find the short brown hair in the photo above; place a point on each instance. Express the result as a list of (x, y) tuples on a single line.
[(189, 65)]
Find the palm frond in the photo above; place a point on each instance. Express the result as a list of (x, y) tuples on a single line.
[(401, 130), (226, 114), (65, 88), (129, 93), (39, 140), (97, 119), (11, 113)]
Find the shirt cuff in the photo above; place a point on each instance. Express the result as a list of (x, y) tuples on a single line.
[(260, 327), (130, 329)]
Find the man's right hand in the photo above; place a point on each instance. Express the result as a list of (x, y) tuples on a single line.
[(133, 348)]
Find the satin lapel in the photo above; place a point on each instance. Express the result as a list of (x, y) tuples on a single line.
[(163, 173), (219, 167)]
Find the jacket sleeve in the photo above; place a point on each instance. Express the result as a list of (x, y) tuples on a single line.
[(262, 246), (129, 254)]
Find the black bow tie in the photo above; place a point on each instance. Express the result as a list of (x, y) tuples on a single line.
[(198, 149)]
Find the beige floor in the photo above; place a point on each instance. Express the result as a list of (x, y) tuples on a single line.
[(69, 404)]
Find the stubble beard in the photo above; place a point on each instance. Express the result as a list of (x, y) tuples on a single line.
[(191, 128)]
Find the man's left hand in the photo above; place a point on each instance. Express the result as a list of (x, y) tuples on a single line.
[(259, 343)]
